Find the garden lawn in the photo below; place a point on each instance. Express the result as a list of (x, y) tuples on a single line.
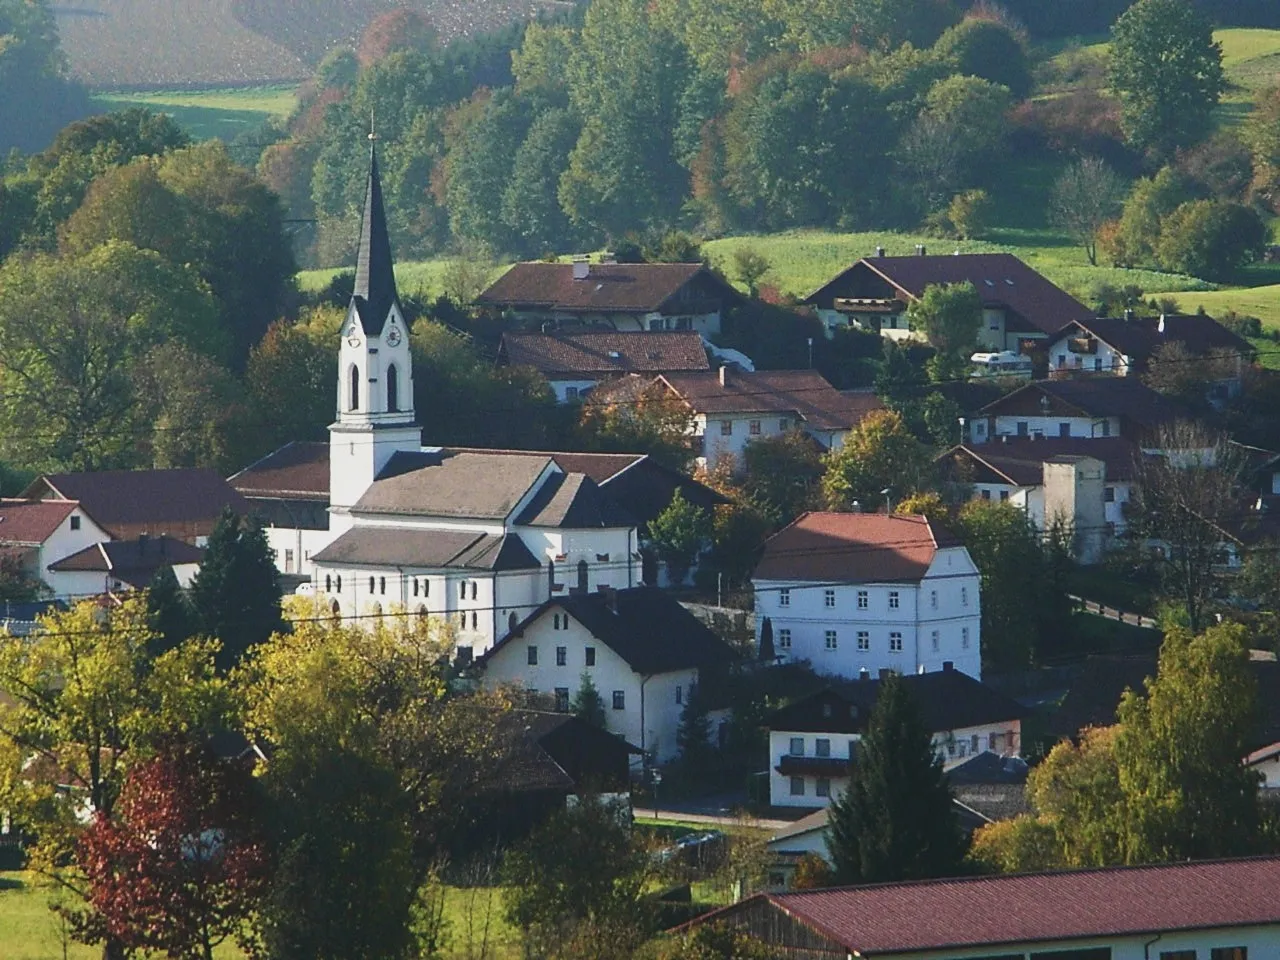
[(205, 114)]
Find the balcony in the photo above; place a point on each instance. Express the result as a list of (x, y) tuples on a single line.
[(1082, 345)]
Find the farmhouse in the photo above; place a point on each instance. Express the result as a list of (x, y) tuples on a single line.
[(1018, 304), (857, 593), (622, 296), (1215, 910), (574, 362), (38, 533)]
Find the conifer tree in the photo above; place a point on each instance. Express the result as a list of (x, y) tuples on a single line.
[(693, 734), (588, 705), (767, 651), (169, 614), (236, 594), (896, 820)]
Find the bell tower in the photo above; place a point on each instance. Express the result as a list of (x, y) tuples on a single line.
[(375, 417)]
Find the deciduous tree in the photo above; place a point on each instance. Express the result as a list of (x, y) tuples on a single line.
[(1211, 239), (679, 534), (950, 315), (879, 454), (1085, 196)]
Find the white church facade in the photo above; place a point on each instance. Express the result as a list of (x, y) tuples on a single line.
[(480, 539)]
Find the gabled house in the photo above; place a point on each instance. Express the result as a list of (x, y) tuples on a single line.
[(1018, 304), (1028, 472), (1124, 347), (857, 592), (642, 650), (1208, 910), (183, 503), (288, 492), (574, 362), (41, 532), (1090, 407), (813, 741), (731, 408), (114, 566), (624, 296)]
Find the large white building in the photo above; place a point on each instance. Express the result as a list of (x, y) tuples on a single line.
[(856, 593), (479, 538)]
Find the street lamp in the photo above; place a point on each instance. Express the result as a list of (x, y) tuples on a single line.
[(888, 500), (655, 777), (963, 421), (811, 353)]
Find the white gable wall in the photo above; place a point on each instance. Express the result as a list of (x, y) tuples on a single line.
[(74, 533)]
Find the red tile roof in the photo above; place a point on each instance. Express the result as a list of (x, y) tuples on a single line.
[(1034, 908), (1001, 279), (604, 352), (32, 521), (608, 287), (853, 548), (802, 393)]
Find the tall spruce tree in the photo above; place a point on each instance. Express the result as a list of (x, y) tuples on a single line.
[(169, 613), (236, 594), (896, 820), (693, 734)]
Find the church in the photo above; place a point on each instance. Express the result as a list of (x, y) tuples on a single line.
[(478, 538)]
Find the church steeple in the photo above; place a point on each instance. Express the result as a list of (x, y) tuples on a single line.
[(375, 290), (375, 368)]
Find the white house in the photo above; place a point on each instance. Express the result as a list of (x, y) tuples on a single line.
[(642, 650), (114, 566), (575, 361), (813, 741), (730, 408), (42, 532), (1198, 910), (624, 296), (857, 593)]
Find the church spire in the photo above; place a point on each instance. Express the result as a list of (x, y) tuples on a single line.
[(375, 290)]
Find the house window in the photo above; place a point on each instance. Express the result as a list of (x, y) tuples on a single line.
[(784, 639), (822, 747), (754, 428), (973, 743), (382, 585), (462, 619), (986, 494), (863, 600), (426, 587), (562, 656), (75, 523), (784, 424), (1004, 495), (571, 393), (555, 621), (1097, 363), (828, 598), (1106, 428), (797, 786), (465, 656), (964, 637), (964, 596), (864, 640), (371, 584), (1064, 429), (726, 428), (823, 787), (591, 656), (895, 642), (1109, 495), (784, 597), (288, 559), (797, 747), (1229, 953), (619, 699), (679, 693), (831, 641), (532, 656), (893, 599), (933, 599), (562, 699), (933, 640)]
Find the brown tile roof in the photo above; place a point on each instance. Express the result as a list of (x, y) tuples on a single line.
[(134, 561), (573, 501), (802, 393), (460, 549), (32, 521), (297, 470), (1020, 461), (608, 287), (1126, 397), (1001, 279), (123, 499), (1139, 337), (1033, 908), (853, 548), (604, 352), (442, 483)]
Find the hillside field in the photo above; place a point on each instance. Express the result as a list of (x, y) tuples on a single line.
[(206, 114)]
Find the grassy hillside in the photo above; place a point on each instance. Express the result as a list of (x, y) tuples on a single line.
[(206, 114), (1260, 302)]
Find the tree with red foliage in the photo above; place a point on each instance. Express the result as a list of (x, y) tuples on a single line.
[(393, 31), (179, 867)]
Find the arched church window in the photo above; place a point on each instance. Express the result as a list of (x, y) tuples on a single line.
[(353, 388), (328, 583), (582, 576), (393, 389), (336, 609), (338, 583), (512, 621)]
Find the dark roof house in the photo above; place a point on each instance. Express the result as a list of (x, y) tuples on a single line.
[(599, 354), (184, 503), (133, 562), (1140, 409), (802, 394), (1019, 461), (1139, 337)]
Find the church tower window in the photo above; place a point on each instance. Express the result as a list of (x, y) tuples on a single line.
[(353, 388), (393, 389)]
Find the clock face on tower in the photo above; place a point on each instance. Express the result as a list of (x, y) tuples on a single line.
[(393, 337), (353, 336)]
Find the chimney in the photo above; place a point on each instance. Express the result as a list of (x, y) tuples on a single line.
[(724, 375), (879, 251), (581, 269), (610, 598), (864, 674), (948, 666), (1128, 313), (885, 673), (920, 250)]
